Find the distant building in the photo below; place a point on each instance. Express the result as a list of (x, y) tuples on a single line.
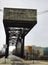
[(46, 51), (40, 49), (27, 51), (33, 52)]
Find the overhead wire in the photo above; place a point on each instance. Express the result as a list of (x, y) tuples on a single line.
[(1, 10), (42, 12)]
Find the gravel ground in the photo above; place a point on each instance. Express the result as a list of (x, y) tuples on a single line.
[(8, 62)]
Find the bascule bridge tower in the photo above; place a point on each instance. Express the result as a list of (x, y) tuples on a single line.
[(17, 23)]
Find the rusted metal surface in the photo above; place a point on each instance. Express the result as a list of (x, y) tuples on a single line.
[(20, 14)]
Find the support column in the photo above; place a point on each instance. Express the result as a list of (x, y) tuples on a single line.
[(20, 47), (7, 43)]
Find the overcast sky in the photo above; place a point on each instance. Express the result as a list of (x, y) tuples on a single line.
[(39, 34)]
